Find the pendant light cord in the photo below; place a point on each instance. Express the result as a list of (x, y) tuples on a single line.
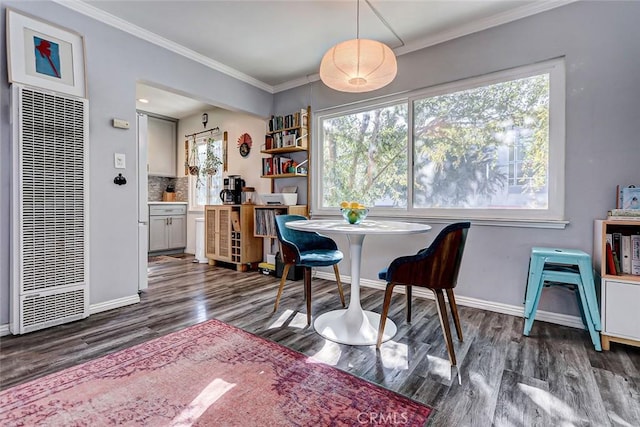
[(358, 19), (384, 22)]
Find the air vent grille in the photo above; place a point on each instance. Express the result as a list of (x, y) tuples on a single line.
[(41, 311), (50, 271), (52, 186)]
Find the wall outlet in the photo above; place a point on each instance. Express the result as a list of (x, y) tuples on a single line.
[(119, 160)]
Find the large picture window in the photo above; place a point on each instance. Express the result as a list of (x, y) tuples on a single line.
[(364, 157), (489, 147)]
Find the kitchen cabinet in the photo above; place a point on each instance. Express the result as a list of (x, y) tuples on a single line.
[(167, 227), (162, 147), (229, 236), (620, 293)]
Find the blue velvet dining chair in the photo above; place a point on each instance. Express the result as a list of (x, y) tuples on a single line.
[(307, 250), (435, 268)]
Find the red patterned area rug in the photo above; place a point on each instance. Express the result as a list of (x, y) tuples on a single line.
[(210, 374)]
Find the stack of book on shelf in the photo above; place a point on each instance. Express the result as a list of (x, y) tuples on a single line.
[(295, 120), (284, 139), (627, 203), (277, 165), (265, 221), (624, 214), (623, 253)]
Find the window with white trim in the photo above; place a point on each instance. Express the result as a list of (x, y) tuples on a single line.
[(490, 147), (205, 187)]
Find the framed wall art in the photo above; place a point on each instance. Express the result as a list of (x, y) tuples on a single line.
[(45, 55)]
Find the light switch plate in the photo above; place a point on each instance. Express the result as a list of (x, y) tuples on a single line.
[(119, 160)]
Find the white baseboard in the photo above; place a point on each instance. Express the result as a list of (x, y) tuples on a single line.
[(93, 309), (513, 310), (497, 307), (114, 303)]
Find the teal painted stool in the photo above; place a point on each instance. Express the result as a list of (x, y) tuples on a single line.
[(563, 267)]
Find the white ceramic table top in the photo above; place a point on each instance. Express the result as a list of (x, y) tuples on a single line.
[(365, 227)]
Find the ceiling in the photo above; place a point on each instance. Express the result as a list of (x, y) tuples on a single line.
[(278, 44)]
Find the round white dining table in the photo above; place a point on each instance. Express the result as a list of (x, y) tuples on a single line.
[(354, 325)]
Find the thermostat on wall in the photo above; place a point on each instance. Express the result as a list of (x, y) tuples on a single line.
[(121, 124)]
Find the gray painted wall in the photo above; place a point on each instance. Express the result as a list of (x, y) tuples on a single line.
[(114, 61), (600, 41)]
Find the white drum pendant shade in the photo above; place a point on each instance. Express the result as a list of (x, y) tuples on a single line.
[(358, 65)]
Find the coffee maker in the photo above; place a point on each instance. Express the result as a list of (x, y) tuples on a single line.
[(231, 193)]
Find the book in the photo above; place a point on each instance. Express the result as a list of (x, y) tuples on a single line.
[(611, 266), (635, 254), (616, 262), (623, 217), (625, 254), (615, 246), (289, 140)]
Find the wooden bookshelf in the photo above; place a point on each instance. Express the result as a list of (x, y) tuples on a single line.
[(620, 293)]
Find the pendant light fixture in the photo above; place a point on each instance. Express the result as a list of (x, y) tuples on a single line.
[(358, 65)]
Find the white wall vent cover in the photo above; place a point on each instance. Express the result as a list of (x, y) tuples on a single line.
[(50, 246)]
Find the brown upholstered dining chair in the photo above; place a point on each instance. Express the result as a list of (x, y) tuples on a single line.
[(305, 249), (435, 268)]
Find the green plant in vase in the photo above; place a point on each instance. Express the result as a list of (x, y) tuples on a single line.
[(211, 163)]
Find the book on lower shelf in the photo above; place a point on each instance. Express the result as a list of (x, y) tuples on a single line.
[(635, 254), (625, 254), (611, 266)]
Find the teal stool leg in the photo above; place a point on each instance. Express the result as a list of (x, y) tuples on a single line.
[(528, 322), (589, 289), (534, 289), (533, 283), (583, 315), (595, 336)]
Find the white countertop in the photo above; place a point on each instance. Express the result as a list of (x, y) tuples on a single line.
[(167, 203)]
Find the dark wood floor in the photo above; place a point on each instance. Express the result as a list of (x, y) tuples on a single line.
[(554, 377)]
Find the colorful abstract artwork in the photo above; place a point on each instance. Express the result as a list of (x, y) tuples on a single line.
[(44, 55), (47, 56)]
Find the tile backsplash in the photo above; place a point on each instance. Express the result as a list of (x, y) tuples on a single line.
[(158, 184)]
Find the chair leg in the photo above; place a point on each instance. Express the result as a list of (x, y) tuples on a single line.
[(307, 292), (589, 323), (284, 278), (408, 292), (454, 312), (337, 272), (385, 311), (444, 323)]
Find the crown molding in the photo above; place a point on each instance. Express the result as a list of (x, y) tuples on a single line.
[(296, 82), (483, 24), (109, 19), (463, 30)]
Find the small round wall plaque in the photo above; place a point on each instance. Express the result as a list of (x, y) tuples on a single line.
[(244, 144)]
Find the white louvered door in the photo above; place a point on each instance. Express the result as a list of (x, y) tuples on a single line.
[(50, 250)]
